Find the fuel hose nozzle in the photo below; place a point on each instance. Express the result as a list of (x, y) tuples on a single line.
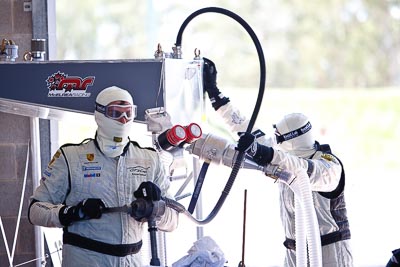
[(141, 209), (146, 210), (178, 135), (217, 150), (150, 211)]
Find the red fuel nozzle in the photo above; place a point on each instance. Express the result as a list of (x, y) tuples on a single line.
[(193, 132), (172, 137)]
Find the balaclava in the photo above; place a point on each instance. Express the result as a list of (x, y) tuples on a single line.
[(294, 135), (112, 135)]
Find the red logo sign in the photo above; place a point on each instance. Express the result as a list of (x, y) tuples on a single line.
[(63, 85)]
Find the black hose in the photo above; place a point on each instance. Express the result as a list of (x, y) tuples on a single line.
[(197, 188), (240, 157)]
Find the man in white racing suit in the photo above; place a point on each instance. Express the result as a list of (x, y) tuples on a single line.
[(292, 147), (83, 180)]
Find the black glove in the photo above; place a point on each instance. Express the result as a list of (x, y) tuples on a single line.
[(148, 191), (210, 84), (395, 260), (90, 208), (262, 155), (247, 143)]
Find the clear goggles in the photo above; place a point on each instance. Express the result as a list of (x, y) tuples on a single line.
[(116, 111)]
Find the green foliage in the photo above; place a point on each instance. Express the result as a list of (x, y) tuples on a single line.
[(334, 43)]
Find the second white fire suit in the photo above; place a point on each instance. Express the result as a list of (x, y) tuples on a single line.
[(327, 183)]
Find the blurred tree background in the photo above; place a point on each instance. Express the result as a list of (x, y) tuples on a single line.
[(309, 44)]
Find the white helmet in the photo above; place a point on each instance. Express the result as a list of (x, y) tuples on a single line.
[(112, 135), (294, 135)]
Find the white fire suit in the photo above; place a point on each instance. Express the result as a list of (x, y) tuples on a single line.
[(326, 175), (78, 172)]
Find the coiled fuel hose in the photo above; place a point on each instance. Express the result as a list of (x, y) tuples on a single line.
[(239, 160)]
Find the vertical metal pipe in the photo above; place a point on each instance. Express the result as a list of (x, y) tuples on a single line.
[(36, 174), (199, 206)]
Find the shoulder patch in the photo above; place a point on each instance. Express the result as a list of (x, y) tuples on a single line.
[(55, 156), (328, 157)]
